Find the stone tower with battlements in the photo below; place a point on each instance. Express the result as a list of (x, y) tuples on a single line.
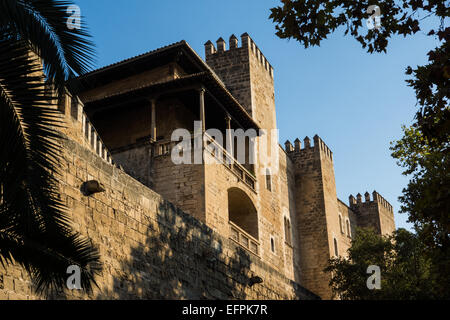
[(324, 224), (316, 210), (221, 221), (247, 74), (376, 212)]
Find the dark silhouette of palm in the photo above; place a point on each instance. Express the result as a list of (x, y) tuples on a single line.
[(37, 48)]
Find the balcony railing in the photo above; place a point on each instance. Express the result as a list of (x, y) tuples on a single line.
[(242, 238), (165, 147), (230, 162)]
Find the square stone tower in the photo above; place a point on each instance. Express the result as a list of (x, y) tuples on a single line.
[(324, 224), (248, 75), (317, 212), (377, 212)]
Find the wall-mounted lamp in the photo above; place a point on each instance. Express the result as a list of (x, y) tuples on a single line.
[(254, 280), (90, 187)]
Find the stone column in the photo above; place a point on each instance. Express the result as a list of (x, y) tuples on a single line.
[(202, 108), (229, 141), (153, 125), (199, 132)]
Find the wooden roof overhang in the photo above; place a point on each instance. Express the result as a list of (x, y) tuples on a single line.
[(199, 75), (214, 90)]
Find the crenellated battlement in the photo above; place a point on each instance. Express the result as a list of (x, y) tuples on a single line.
[(376, 198), (319, 146), (287, 231), (78, 126), (247, 43)]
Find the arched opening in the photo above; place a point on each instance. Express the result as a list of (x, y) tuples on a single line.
[(336, 251), (287, 231), (242, 212), (349, 233), (268, 180)]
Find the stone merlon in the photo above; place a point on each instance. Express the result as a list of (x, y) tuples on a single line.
[(376, 197)]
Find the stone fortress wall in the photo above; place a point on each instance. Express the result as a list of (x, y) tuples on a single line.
[(169, 231), (149, 248)]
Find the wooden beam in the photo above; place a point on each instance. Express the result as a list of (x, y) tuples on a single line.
[(202, 107), (153, 125)]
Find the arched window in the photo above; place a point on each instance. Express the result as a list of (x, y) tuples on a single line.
[(62, 103), (74, 107), (287, 231), (268, 180), (336, 251), (349, 233), (341, 226), (242, 212)]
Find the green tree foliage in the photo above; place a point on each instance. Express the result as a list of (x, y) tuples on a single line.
[(405, 270), (35, 229), (311, 21), (427, 197)]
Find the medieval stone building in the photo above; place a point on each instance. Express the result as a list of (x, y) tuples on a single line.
[(215, 228)]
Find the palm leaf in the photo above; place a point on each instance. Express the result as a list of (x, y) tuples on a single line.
[(34, 226), (43, 24)]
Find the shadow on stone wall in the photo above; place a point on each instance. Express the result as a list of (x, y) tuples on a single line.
[(180, 259)]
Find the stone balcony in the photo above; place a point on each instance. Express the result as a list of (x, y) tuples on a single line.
[(164, 148), (243, 239)]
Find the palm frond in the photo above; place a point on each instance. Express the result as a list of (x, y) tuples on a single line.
[(43, 24), (34, 226)]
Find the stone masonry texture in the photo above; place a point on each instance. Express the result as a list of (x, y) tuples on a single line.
[(199, 231)]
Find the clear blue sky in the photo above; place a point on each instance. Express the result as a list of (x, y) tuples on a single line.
[(356, 102)]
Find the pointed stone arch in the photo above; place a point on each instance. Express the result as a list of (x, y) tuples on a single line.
[(242, 211)]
